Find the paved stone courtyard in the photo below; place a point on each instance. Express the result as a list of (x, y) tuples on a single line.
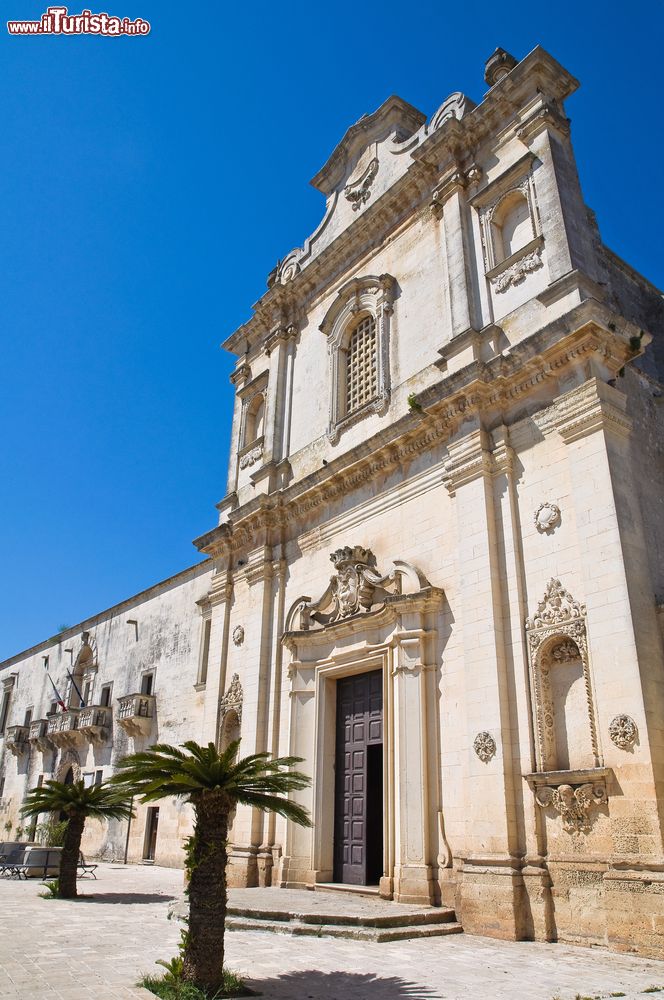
[(97, 948)]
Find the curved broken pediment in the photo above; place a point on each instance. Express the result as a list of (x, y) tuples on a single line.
[(357, 588)]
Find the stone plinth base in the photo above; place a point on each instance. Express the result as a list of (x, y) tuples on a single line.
[(242, 869), (414, 884)]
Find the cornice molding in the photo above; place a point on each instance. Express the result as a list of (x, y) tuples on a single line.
[(486, 391), (591, 407)]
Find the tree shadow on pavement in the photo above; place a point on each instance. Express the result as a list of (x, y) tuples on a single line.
[(124, 897), (311, 984)]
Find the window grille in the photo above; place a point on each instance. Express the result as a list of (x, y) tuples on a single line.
[(361, 377)]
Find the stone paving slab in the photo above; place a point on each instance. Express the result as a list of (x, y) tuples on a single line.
[(97, 948)]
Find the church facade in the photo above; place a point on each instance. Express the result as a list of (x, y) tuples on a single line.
[(438, 570)]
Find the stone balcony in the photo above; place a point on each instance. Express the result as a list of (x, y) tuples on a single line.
[(63, 729), (136, 712), (94, 722), (16, 739), (38, 735)]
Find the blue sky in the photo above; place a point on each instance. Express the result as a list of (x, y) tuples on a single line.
[(148, 187)]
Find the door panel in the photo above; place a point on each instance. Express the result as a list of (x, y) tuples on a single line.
[(358, 810)]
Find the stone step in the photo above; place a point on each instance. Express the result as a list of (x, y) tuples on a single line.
[(353, 890), (434, 915), (352, 931)]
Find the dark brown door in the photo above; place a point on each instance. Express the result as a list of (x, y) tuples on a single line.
[(358, 812), (151, 833)]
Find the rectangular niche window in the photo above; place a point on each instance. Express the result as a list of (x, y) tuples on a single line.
[(205, 651), (361, 367)]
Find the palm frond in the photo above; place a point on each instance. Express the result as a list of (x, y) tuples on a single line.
[(193, 770), (102, 801)]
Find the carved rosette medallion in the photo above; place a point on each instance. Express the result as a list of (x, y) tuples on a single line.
[(547, 517), (484, 746), (238, 636), (574, 804), (623, 731)]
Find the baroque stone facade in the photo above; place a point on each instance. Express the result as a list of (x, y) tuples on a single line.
[(438, 567)]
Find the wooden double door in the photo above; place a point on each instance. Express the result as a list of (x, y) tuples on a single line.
[(358, 809)]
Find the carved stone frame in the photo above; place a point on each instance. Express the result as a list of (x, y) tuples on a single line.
[(372, 296), (547, 628), (250, 452), (505, 271)]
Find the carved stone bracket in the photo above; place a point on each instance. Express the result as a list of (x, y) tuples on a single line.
[(573, 794), (517, 272)]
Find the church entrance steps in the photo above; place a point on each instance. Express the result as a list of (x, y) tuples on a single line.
[(354, 890), (342, 915)]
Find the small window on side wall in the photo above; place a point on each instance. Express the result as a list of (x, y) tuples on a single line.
[(205, 652), (147, 683), (105, 697)]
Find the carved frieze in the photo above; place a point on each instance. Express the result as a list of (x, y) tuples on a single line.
[(519, 270), (557, 607), (251, 457), (623, 731), (484, 746), (575, 805)]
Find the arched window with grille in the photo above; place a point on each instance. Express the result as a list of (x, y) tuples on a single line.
[(357, 327), (361, 365)]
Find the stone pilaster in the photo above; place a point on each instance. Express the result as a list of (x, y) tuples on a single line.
[(414, 690), (449, 202), (491, 887)]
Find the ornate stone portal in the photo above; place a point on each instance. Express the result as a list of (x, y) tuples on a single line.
[(368, 621)]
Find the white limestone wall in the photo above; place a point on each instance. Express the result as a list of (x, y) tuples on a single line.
[(166, 640)]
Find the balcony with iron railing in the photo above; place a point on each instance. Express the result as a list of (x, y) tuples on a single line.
[(136, 712)]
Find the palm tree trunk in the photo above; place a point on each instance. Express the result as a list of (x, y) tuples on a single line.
[(71, 849), (204, 949)]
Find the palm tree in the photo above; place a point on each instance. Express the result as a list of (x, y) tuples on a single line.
[(76, 803), (214, 783)]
